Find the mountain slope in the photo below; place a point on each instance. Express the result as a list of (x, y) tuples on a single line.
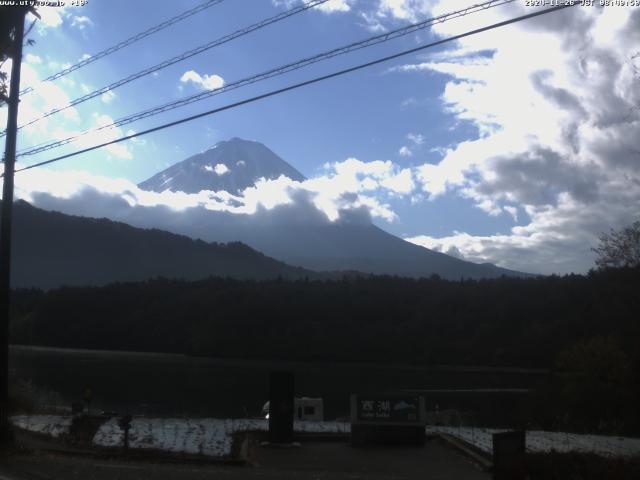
[(231, 165), (340, 246), (322, 246), (52, 249)]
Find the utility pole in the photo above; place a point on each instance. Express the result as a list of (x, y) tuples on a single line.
[(5, 220)]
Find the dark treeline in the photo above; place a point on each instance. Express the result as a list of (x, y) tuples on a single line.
[(586, 328), (506, 322)]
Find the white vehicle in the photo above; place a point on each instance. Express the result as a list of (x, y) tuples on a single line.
[(304, 409)]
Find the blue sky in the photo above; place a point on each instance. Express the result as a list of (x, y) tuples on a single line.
[(478, 126)]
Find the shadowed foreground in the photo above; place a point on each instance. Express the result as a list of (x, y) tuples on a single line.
[(336, 460)]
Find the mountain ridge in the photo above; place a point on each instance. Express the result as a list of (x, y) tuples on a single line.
[(51, 249)]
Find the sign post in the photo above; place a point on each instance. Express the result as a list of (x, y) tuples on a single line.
[(387, 418), (509, 450), (87, 396), (17, 17), (281, 392)]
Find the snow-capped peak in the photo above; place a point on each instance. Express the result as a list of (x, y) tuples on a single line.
[(231, 165)]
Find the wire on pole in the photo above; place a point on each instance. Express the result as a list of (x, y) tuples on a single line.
[(281, 70), (128, 41), (178, 58), (305, 83)]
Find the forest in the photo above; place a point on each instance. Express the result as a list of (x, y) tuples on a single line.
[(521, 322), (586, 329)]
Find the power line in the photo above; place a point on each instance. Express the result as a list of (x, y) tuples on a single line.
[(272, 73), (179, 58), (281, 70), (128, 41), (303, 84)]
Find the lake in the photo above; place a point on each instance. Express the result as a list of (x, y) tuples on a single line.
[(158, 384)]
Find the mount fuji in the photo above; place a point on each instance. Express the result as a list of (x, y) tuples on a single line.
[(231, 165), (236, 164)]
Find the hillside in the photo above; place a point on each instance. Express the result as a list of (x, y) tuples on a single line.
[(52, 249)]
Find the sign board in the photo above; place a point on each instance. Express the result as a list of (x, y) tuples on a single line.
[(387, 419), (387, 409), (382, 409)]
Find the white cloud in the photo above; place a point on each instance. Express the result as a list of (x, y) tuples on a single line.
[(118, 150), (335, 6), (347, 191), (372, 22), (401, 183), (50, 17), (45, 97), (48, 96), (405, 151), (328, 7), (68, 82), (513, 211), (409, 10), (416, 138), (81, 22), (206, 82), (142, 141), (95, 137), (108, 96), (31, 58), (557, 241), (559, 133)]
